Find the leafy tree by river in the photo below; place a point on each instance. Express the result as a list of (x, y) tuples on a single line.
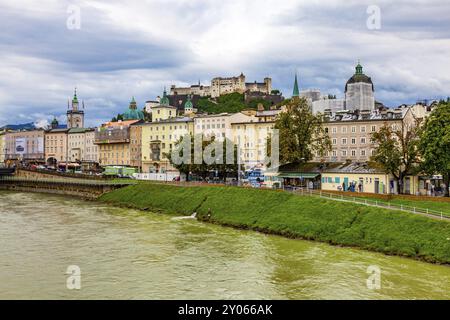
[(435, 143), (203, 169), (397, 151), (301, 132)]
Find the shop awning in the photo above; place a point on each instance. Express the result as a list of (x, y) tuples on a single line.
[(298, 175)]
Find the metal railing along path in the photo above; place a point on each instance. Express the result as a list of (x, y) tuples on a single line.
[(373, 203)]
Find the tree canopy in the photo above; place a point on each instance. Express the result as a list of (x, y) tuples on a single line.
[(218, 165), (435, 143), (397, 151), (301, 133)]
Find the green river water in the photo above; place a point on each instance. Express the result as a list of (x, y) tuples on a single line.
[(126, 254)]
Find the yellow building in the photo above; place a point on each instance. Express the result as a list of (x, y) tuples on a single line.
[(253, 137), (56, 146), (113, 141), (361, 177), (163, 110), (159, 138), (136, 146)]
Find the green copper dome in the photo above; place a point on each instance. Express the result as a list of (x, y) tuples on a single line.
[(188, 104), (165, 99), (359, 77), (359, 69), (133, 113)]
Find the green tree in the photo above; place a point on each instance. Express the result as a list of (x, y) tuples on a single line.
[(117, 118), (397, 151), (301, 133), (435, 143), (204, 169)]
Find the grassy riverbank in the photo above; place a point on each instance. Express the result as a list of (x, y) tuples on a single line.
[(282, 213)]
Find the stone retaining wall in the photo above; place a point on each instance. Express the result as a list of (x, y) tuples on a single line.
[(90, 191)]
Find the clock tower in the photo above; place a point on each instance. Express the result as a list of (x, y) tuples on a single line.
[(75, 116)]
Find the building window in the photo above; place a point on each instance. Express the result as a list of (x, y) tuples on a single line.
[(344, 130), (363, 140), (374, 128), (353, 129), (353, 153), (363, 153), (363, 129), (353, 140), (344, 140)]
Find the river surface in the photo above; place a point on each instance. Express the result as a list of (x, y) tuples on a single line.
[(127, 254)]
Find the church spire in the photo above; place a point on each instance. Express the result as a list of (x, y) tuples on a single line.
[(295, 92), (133, 104), (164, 101), (75, 98)]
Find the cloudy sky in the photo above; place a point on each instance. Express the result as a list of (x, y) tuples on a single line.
[(135, 48)]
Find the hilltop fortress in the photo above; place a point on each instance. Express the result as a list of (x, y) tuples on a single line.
[(220, 86)]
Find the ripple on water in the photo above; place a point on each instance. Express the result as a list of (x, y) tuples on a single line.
[(134, 255)]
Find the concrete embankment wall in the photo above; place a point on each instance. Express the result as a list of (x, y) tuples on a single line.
[(49, 175), (83, 190)]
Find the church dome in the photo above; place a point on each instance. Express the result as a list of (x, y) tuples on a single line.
[(165, 99), (133, 113), (359, 77), (188, 105)]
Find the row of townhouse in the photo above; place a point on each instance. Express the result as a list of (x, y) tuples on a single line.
[(53, 147), (145, 145)]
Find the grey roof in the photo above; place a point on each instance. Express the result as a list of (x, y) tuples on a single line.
[(170, 120), (354, 167), (267, 113), (57, 130), (390, 114)]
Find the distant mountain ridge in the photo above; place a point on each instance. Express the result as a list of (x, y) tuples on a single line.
[(28, 126), (23, 126)]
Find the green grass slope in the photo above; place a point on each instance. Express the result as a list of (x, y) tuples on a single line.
[(282, 213)]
